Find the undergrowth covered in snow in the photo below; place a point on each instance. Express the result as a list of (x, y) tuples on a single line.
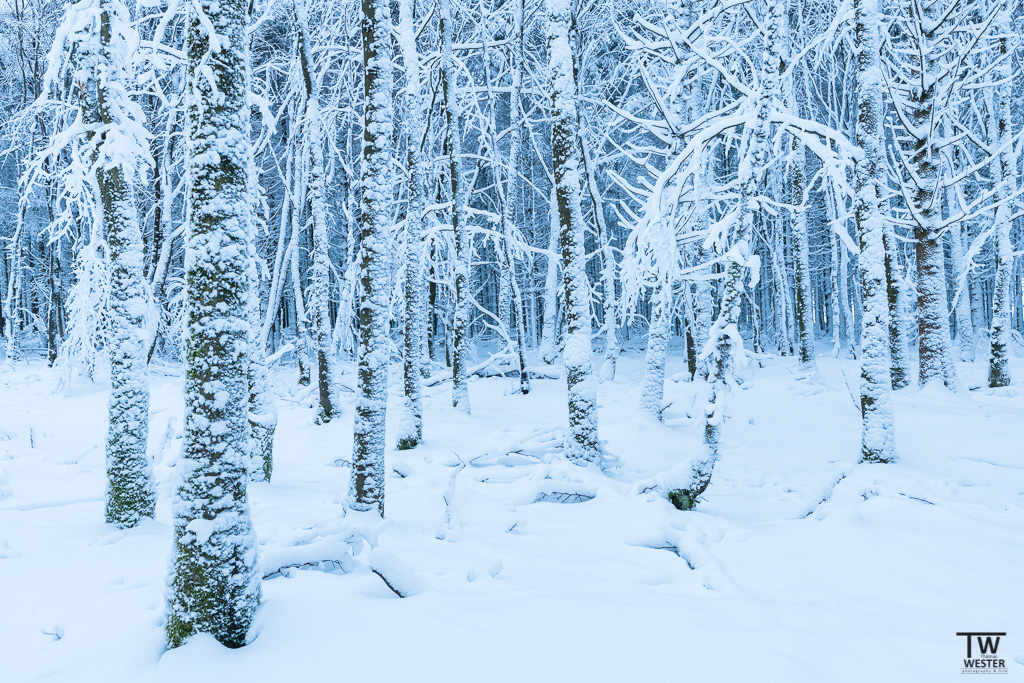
[(500, 560)]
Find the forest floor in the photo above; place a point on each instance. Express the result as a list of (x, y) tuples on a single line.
[(799, 565)]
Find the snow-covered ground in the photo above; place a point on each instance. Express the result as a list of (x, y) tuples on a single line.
[(800, 565)]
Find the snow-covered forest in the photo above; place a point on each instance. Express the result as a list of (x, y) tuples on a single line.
[(464, 340)]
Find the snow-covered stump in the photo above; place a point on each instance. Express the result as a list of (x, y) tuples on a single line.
[(398, 576), (367, 486), (214, 585), (683, 492), (583, 444)]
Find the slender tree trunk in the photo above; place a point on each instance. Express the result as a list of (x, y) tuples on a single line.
[(835, 315), (460, 227), (703, 305), (320, 271), (583, 444), (804, 304), (899, 356), (302, 341), (411, 428), (262, 415), (1004, 175), (549, 329), (934, 347), (966, 342), (372, 394), (653, 391), (610, 304), (510, 301)]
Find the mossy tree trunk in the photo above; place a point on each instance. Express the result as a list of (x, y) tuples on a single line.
[(215, 583)]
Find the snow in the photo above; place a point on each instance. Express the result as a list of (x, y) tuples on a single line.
[(799, 564)]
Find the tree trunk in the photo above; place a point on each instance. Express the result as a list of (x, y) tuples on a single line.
[(583, 444), (877, 430), (653, 391), (1004, 175), (320, 272), (549, 328), (372, 394), (460, 227), (411, 427), (215, 582), (803, 308), (131, 494), (965, 339)]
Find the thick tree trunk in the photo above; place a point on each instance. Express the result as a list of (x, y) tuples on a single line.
[(935, 354), (131, 493), (877, 429), (215, 581)]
